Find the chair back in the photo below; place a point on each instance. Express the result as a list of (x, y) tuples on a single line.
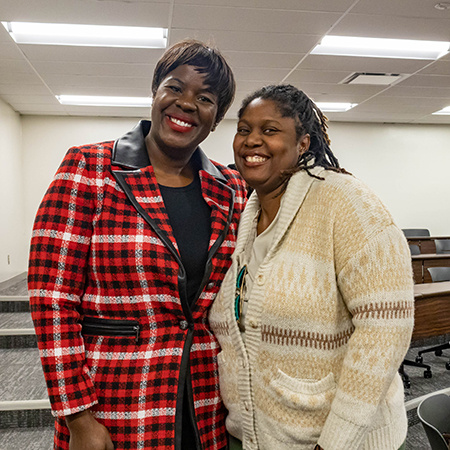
[(439, 273), (434, 413), (414, 232), (414, 249), (442, 245)]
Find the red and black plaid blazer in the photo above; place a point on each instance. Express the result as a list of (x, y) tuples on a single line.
[(107, 293)]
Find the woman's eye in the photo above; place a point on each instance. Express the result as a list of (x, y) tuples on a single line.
[(205, 99), (243, 131), (270, 130), (174, 88)]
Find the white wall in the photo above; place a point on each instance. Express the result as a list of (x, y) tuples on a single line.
[(404, 164), (408, 166), (46, 140), (13, 245)]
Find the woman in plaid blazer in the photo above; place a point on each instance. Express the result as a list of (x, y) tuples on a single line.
[(126, 348)]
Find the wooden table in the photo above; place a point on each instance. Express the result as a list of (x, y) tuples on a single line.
[(432, 310), (420, 264), (425, 243)]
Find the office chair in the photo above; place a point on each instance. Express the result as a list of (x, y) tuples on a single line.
[(405, 378), (414, 249), (434, 413), (437, 274), (415, 232), (442, 245)]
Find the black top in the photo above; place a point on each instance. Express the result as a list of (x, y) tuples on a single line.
[(190, 219)]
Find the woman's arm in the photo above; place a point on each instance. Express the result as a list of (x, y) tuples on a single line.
[(376, 285), (57, 269)]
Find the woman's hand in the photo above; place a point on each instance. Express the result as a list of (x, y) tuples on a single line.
[(86, 433)]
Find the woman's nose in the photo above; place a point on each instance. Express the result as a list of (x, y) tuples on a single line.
[(186, 101), (253, 139)]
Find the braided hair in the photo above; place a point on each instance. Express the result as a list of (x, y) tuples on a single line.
[(295, 104)]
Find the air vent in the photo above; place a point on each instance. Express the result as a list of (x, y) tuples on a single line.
[(372, 78)]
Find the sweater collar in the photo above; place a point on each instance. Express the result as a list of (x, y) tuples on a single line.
[(130, 151), (296, 192)]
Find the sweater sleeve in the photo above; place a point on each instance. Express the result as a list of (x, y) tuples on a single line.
[(57, 267), (376, 285)]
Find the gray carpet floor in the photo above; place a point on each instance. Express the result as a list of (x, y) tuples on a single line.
[(23, 366)]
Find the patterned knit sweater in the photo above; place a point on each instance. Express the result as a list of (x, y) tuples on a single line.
[(329, 321)]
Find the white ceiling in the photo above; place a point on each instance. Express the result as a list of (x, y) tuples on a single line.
[(265, 41)]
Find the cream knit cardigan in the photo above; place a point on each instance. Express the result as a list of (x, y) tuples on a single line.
[(329, 321)]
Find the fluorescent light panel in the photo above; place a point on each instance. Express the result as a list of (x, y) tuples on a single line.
[(95, 100), (335, 107), (381, 48), (86, 35), (443, 112)]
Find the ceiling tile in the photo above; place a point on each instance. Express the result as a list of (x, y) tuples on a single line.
[(98, 12), (427, 81), (411, 91), (357, 64), (324, 89), (61, 84), (18, 78), (9, 50), (317, 76), (393, 27), (23, 99), (25, 89), (14, 65), (91, 54), (403, 8), (440, 67), (237, 19), (93, 69), (294, 5), (256, 74), (263, 59), (246, 41)]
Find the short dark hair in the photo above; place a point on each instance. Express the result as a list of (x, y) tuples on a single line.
[(294, 103), (208, 60)]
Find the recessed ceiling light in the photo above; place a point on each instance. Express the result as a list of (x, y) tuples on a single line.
[(86, 35), (95, 100), (381, 48), (335, 107), (443, 112)]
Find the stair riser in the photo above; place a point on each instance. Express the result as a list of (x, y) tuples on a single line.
[(18, 341), (14, 306), (26, 418)]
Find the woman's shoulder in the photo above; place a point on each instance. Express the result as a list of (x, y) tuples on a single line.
[(98, 150), (350, 199), (232, 176)]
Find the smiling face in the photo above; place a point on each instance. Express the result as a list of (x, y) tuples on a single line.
[(265, 145), (183, 114)]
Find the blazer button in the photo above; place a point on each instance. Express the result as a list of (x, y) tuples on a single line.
[(210, 285), (253, 323), (261, 279), (183, 324)]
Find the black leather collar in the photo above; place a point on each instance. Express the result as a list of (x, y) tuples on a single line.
[(130, 151)]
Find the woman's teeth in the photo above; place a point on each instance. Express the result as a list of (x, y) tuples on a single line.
[(255, 158), (180, 122)]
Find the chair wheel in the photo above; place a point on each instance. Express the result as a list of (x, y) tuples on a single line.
[(447, 365), (419, 359), (438, 352), (427, 374)]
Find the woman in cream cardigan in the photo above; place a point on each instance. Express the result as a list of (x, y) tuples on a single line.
[(315, 314)]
